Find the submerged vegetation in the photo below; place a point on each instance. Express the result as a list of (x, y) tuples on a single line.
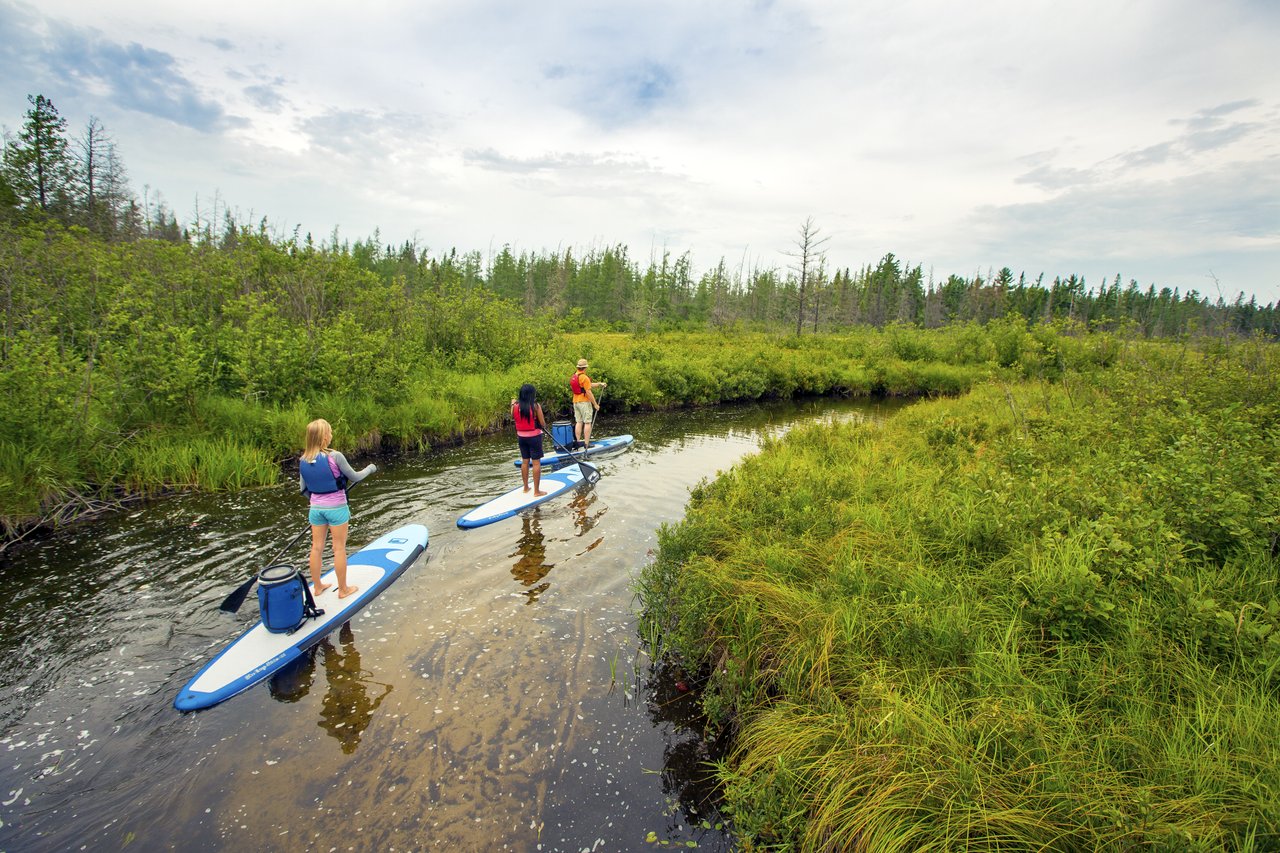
[(1041, 616)]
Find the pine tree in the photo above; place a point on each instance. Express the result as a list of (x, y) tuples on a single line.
[(37, 165)]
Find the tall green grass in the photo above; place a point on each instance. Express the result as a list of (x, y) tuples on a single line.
[(120, 441), (160, 461), (1043, 616)]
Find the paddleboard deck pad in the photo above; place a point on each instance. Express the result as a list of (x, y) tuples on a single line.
[(258, 653), (602, 445), (504, 506)]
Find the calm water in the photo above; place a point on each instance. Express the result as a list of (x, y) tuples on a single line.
[(496, 697)]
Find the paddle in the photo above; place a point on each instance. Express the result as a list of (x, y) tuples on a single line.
[(595, 415), (232, 602), (589, 473)]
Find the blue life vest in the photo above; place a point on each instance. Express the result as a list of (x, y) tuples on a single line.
[(318, 477)]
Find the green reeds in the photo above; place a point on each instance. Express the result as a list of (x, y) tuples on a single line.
[(157, 462), (1026, 619)]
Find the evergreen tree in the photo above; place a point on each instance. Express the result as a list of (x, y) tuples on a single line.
[(37, 165), (8, 199)]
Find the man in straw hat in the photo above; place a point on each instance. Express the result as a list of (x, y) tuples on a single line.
[(584, 403)]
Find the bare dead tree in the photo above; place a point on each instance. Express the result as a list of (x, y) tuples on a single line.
[(808, 256)]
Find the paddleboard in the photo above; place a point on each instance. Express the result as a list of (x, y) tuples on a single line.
[(504, 506), (602, 445), (258, 653)]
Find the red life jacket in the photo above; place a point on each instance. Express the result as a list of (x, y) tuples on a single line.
[(524, 424), (575, 384)]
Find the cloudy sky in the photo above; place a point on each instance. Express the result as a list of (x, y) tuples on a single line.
[(1098, 137)]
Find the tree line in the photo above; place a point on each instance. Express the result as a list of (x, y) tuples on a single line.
[(47, 176)]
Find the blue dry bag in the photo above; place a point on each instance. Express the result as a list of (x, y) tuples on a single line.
[(562, 432), (281, 598)]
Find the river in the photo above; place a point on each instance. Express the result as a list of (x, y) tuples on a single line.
[(496, 697)]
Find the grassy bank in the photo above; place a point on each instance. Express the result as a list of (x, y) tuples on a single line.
[(1043, 616), (67, 444)]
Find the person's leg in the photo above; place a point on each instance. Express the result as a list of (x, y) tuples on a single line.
[(338, 533), (524, 472), (586, 433), (537, 477), (582, 417), (318, 532)]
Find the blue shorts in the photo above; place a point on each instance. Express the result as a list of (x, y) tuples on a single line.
[(330, 515), (530, 446)]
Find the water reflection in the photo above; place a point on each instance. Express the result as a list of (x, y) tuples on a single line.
[(531, 564), (585, 516), (689, 757), (346, 710), (292, 682), (503, 711)]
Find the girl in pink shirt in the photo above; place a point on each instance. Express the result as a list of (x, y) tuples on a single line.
[(526, 411), (324, 474)]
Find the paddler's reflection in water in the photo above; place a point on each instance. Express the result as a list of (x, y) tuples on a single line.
[(531, 564), (346, 710), (583, 518)]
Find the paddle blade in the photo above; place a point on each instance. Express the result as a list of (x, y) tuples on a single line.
[(232, 602), (589, 473)]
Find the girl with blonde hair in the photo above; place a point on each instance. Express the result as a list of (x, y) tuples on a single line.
[(324, 475)]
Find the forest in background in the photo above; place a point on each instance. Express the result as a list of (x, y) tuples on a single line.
[(50, 177), (139, 356)]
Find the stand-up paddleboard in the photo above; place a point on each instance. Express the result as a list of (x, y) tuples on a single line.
[(505, 506), (603, 445), (258, 652)]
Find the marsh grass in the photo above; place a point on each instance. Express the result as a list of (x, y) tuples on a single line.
[(1042, 616), (128, 435), (160, 461)]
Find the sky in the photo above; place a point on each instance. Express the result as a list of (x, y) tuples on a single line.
[(1138, 138)]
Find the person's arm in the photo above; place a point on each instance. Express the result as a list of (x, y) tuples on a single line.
[(541, 420), (302, 485), (351, 474)]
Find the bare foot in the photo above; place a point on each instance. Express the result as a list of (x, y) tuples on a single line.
[(319, 589), (351, 590), (537, 494), (526, 488)]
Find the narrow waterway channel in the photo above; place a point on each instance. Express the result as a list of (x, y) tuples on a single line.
[(496, 697)]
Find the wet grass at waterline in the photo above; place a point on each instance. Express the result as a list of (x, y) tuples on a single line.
[(1043, 616)]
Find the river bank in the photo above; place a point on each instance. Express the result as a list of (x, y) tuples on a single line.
[(67, 463), (1044, 615)]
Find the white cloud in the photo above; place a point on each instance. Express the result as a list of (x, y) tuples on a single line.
[(1095, 138)]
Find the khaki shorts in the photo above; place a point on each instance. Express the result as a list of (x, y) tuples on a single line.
[(582, 412)]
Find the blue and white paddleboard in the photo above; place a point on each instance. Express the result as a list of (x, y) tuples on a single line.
[(505, 506), (603, 445), (258, 652)]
